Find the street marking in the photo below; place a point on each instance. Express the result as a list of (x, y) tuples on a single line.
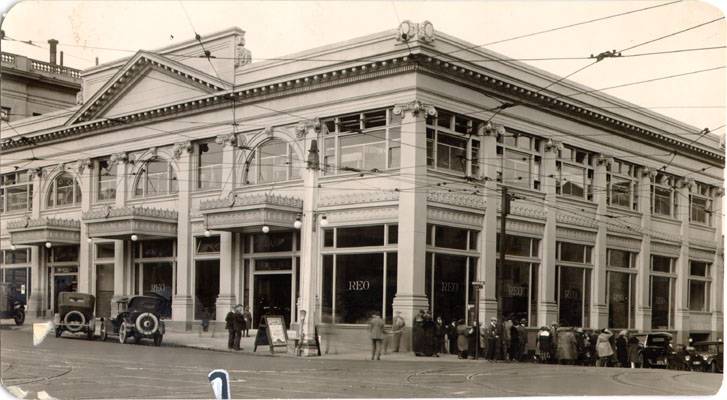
[(41, 331)]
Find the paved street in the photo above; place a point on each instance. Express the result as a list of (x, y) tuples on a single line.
[(75, 368)]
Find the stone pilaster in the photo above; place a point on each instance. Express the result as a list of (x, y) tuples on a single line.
[(717, 292), (599, 303), (121, 257), (226, 298), (488, 248), (182, 300), (681, 320), (643, 302), (36, 306), (410, 295), (547, 307), (86, 273)]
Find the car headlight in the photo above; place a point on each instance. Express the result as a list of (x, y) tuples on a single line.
[(687, 358)]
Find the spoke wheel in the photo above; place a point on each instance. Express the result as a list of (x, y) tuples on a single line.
[(122, 333), (19, 317)]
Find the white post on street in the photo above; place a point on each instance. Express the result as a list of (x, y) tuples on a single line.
[(308, 301)]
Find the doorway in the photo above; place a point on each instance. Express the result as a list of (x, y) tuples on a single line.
[(63, 283), (272, 296), (104, 289)]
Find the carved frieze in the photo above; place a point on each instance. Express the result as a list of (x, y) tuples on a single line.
[(696, 253), (458, 199), (445, 216), (27, 231), (665, 249), (261, 199), (363, 215), (623, 242), (575, 235), (131, 211), (358, 198)]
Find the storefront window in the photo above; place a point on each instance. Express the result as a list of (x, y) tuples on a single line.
[(360, 236), (64, 191), (450, 287), (699, 286), (515, 290), (20, 278), (620, 294), (206, 288), (16, 192), (105, 180), (452, 237), (209, 165), (62, 272), (573, 252), (574, 291), (359, 287), (19, 256), (154, 270), (662, 302), (327, 290)]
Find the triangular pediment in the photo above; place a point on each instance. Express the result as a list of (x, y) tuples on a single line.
[(147, 81)]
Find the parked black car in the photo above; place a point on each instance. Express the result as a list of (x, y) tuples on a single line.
[(138, 317), (709, 355), (11, 303), (655, 349), (75, 314)]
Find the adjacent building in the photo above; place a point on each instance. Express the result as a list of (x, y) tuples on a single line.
[(365, 176)]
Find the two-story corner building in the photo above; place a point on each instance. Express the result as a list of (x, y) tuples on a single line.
[(365, 176), (30, 87)]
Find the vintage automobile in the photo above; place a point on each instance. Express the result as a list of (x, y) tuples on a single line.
[(138, 317), (682, 359), (655, 349), (12, 304), (709, 355), (75, 314)]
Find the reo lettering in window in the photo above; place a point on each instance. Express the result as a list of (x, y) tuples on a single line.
[(359, 285)]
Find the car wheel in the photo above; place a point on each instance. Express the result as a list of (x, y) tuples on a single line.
[(103, 335), (122, 333), (19, 317), (158, 339)]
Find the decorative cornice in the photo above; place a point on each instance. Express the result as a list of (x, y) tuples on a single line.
[(27, 223), (456, 199), (250, 200), (131, 212), (180, 148), (415, 107), (424, 63), (358, 198)]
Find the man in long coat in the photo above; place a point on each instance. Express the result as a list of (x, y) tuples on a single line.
[(567, 352)]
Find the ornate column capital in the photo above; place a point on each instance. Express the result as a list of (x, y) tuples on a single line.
[(180, 148), (490, 129), (648, 172), (35, 172), (118, 158), (603, 159), (304, 126), (685, 183), (553, 146), (83, 164), (228, 139), (415, 107), (718, 192)]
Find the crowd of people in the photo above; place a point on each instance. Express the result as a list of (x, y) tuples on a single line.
[(507, 340)]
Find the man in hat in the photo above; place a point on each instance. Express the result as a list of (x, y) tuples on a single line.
[(522, 339), (554, 335), (492, 339), (234, 322), (397, 327)]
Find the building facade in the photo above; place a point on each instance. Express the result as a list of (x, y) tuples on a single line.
[(325, 190), (31, 88)]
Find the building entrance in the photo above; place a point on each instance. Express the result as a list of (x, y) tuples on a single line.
[(272, 296), (104, 289), (65, 279)]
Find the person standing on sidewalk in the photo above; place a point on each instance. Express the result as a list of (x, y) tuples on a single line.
[(234, 323), (376, 332), (397, 327), (603, 346), (247, 316)]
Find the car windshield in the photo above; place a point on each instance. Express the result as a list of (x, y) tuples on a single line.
[(143, 303), (707, 347), (657, 340)]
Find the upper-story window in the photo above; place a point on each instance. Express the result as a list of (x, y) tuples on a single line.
[(663, 195), (451, 145), (105, 180), (365, 141), (209, 165), (622, 183), (156, 177), (64, 191), (700, 204), (16, 192), (575, 173), (520, 156), (273, 161)]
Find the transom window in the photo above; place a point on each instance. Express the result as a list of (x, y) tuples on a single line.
[(573, 252), (105, 180), (663, 195), (622, 183), (366, 141), (574, 173), (621, 259), (451, 145), (700, 204), (156, 177), (520, 160), (209, 165), (64, 191), (16, 192), (273, 161)]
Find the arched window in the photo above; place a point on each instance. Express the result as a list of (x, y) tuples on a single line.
[(156, 178), (64, 191), (273, 161)]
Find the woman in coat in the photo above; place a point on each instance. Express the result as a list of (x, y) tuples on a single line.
[(566, 349), (603, 347), (622, 352), (462, 340), (633, 351), (544, 344)]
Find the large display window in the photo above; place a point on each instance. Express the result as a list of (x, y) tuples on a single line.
[(573, 283), (154, 270), (662, 287), (620, 294), (206, 277), (62, 272)]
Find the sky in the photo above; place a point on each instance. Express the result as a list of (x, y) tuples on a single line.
[(274, 29)]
